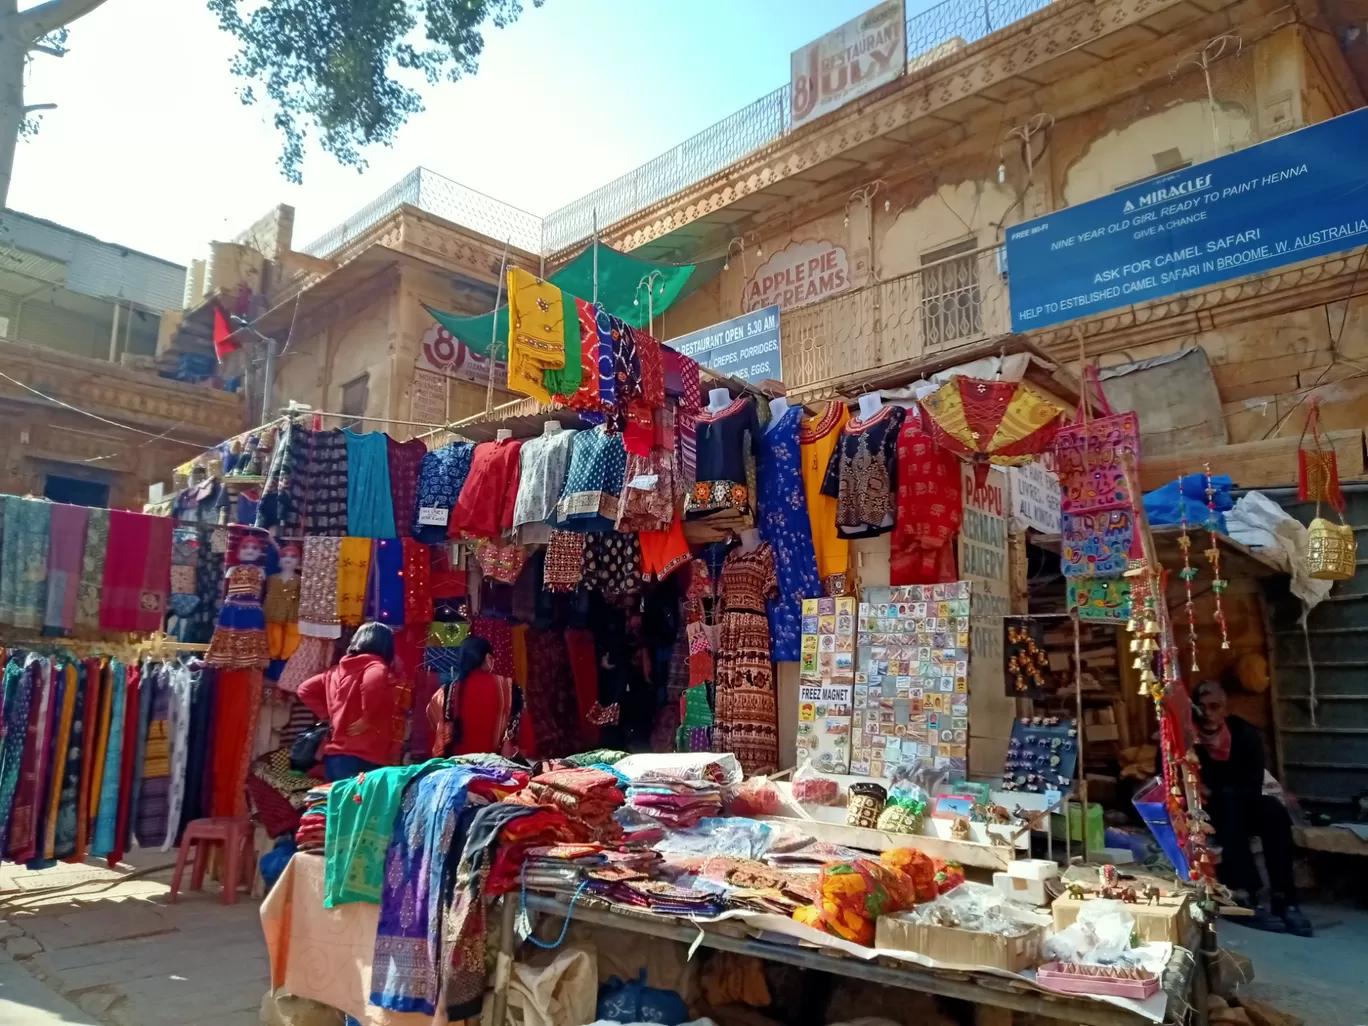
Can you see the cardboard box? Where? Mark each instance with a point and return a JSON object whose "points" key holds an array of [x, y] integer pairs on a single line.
{"points": [[1021, 889], [953, 946], [1169, 921], [1034, 869]]}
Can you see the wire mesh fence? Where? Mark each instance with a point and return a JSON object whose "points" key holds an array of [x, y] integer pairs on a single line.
{"points": [[933, 35]]}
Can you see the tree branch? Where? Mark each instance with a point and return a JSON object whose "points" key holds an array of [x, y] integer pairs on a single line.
{"points": [[47, 17], [51, 51]]}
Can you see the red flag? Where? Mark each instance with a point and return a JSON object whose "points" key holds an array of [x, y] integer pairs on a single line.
{"points": [[223, 335]]}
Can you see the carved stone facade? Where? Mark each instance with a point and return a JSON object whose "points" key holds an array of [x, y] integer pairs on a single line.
{"points": [[149, 425]]}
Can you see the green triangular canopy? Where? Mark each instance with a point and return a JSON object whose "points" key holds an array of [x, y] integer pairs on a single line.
{"points": [[620, 283]]}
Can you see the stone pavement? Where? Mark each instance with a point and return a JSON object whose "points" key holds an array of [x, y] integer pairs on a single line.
{"points": [[125, 956]]}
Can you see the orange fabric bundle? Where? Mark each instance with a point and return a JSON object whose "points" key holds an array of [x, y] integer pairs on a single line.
{"points": [[852, 895]]}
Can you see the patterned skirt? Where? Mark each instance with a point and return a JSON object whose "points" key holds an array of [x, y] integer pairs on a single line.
{"points": [[746, 707]]}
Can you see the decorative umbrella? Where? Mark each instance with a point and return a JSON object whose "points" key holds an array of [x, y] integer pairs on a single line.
{"points": [[1006, 423]]}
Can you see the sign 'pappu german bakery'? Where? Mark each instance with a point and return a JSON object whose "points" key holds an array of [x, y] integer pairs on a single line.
{"points": [[803, 272]]}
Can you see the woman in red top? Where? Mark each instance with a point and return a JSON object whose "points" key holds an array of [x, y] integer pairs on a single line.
{"points": [[356, 698], [473, 713]]}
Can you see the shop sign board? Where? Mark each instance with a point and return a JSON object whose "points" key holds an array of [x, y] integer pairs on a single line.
{"points": [[745, 347], [800, 273], [1289, 199], [1035, 497], [849, 61], [427, 398], [442, 353]]}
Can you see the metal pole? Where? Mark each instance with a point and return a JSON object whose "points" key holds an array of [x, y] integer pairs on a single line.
{"points": [[595, 300], [1080, 776], [268, 378], [494, 328], [503, 963], [113, 334]]}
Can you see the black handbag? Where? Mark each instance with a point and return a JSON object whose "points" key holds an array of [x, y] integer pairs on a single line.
{"points": [[304, 751]]}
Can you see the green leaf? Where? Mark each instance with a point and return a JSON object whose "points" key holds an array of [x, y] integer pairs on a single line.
{"points": [[346, 71]]}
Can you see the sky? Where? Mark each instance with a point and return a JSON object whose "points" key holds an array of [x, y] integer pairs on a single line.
{"points": [[150, 147]]}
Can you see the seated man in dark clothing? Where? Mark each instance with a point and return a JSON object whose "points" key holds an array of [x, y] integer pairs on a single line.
{"points": [[1232, 757]]}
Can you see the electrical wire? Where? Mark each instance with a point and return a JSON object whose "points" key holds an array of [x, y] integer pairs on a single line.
{"points": [[96, 416]]}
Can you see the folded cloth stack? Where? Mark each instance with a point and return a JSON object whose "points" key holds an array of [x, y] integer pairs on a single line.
{"points": [[675, 803], [546, 826], [313, 822], [658, 896], [587, 797], [560, 867]]}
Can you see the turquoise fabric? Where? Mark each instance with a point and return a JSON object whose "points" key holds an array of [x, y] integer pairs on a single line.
{"points": [[370, 508]]}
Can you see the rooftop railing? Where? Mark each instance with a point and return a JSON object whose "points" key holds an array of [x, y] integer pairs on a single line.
{"points": [[932, 35]]}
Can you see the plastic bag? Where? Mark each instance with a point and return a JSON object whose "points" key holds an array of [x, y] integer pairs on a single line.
{"points": [[811, 788], [633, 1002], [1101, 935], [755, 796]]}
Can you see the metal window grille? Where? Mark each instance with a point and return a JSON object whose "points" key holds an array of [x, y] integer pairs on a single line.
{"points": [[951, 306], [355, 395]]}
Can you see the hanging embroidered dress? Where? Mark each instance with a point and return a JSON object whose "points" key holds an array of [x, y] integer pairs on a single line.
{"points": [[725, 440], [240, 639], [930, 507], [785, 526], [538, 358], [542, 465], [862, 475], [590, 498], [819, 438], [747, 719]]}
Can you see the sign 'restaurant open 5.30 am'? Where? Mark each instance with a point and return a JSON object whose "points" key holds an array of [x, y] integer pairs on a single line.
{"points": [[1299, 196]]}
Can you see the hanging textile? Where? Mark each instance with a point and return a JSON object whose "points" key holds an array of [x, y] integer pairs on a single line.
{"points": [[417, 583], [17, 694], [405, 460], [24, 562], [184, 599], [590, 497], [725, 439], [542, 465], [92, 570], [20, 841], [237, 702], [324, 489], [538, 332], [818, 439], [387, 583], [747, 711], [65, 683], [282, 493], [485, 507], [586, 397], [150, 827], [353, 575], [108, 808], [929, 507], [370, 508], [129, 748], [318, 588], [94, 696], [993, 422], [178, 736], [66, 549], [441, 476], [785, 526], [361, 815], [406, 973], [137, 573], [863, 474]]}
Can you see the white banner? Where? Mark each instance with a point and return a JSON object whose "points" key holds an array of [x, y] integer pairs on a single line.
{"points": [[863, 54], [1035, 498]]}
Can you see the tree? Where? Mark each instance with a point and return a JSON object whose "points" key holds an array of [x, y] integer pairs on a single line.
{"points": [[343, 68]]}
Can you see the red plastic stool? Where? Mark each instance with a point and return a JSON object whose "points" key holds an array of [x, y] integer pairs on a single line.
{"points": [[235, 834]]}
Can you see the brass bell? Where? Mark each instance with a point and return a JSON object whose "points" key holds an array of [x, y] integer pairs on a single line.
{"points": [[1135, 644], [1149, 645], [1151, 627], [1225, 643]]}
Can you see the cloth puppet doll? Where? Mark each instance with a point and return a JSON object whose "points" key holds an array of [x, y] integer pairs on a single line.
{"points": [[240, 637]]}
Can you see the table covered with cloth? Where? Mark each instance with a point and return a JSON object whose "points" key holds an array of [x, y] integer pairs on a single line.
{"points": [[325, 954]]}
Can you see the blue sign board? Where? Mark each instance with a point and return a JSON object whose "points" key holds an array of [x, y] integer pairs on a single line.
{"points": [[745, 347], [1301, 195]]}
